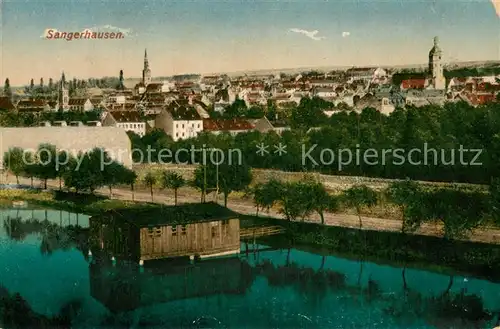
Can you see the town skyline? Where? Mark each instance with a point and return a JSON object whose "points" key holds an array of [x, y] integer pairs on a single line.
{"points": [[257, 40]]}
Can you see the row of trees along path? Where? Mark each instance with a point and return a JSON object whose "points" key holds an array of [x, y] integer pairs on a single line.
{"points": [[447, 212]]}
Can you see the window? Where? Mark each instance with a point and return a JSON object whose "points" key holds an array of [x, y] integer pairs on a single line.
{"points": [[174, 230], [176, 125], [150, 232], [157, 232], [176, 134], [182, 126], [198, 125], [214, 231], [183, 229]]}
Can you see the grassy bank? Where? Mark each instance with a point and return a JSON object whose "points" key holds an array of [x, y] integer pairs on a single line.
{"points": [[77, 203], [417, 251]]}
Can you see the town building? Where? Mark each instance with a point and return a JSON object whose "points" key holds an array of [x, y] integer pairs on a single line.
{"points": [[231, 126], [126, 120], [180, 121]]}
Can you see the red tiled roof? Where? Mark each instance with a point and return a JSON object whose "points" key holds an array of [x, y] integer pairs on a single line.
{"points": [[413, 83], [226, 124]]}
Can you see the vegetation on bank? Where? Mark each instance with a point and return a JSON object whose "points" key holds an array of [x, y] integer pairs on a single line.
{"points": [[453, 143], [470, 258]]}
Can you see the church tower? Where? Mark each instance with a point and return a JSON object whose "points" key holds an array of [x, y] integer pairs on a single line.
{"points": [[63, 95], [436, 67], [146, 72]]}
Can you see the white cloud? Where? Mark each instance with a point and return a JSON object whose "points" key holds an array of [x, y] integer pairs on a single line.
{"points": [[126, 32], [309, 34], [345, 34]]}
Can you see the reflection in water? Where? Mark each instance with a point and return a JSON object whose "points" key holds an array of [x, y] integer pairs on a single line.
{"points": [[272, 287]]}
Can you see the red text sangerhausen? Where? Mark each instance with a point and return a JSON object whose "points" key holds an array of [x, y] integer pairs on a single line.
{"points": [[52, 34]]}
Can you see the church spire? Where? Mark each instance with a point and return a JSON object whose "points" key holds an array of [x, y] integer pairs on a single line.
{"points": [[146, 62], [146, 72]]}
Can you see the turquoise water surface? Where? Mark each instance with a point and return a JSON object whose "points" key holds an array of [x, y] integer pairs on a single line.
{"points": [[274, 288]]}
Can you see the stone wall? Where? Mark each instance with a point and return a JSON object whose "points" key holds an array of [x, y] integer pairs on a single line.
{"points": [[72, 139], [332, 182]]}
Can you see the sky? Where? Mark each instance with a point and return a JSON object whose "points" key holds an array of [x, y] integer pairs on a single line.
{"points": [[208, 36]]}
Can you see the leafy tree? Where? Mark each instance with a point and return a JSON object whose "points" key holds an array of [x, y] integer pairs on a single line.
{"points": [[236, 110], [255, 112], [494, 190], [14, 160], [294, 200], [46, 163], [85, 172], [459, 211], [407, 195], [130, 178], [116, 173], [64, 159], [266, 195], [234, 178], [172, 180], [360, 196], [320, 200], [32, 84], [150, 180], [230, 178]]}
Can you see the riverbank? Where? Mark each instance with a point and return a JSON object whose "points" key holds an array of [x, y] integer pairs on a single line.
{"points": [[383, 247], [383, 217], [391, 248]]}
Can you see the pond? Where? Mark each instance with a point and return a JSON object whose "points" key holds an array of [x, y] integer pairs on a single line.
{"points": [[46, 260]]}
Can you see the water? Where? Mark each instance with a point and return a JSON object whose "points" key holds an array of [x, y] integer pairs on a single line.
{"points": [[47, 263]]}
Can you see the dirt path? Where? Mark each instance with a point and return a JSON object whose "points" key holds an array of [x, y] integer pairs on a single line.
{"points": [[244, 206]]}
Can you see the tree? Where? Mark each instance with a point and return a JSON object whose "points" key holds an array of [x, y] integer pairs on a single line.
{"points": [[459, 211], [32, 85], [14, 160], [406, 194], [320, 199], [41, 82], [266, 195], [64, 159], [46, 163], [360, 196], [494, 203], [294, 201], [172, 180], [150, 180], [85, 171], [51, 84], [129, 178], [234, 178], [6, 88], [116, 173], [229, 177]]}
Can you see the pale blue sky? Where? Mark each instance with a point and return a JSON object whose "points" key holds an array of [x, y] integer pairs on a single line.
{"points": [[213, 36]]}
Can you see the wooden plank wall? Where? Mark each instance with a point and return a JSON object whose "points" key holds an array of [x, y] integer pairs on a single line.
{"points": [[191, 239]]}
